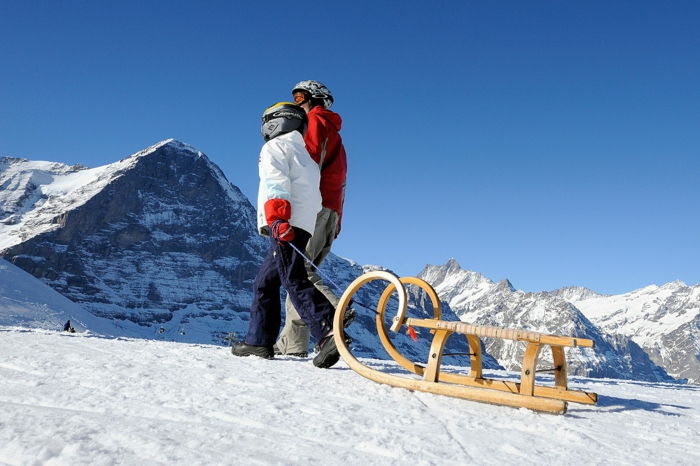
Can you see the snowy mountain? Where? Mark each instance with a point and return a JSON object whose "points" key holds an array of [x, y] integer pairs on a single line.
{"points": [[157, 239], [160, 244], [138, 401], [477, 299], [663, 320]]}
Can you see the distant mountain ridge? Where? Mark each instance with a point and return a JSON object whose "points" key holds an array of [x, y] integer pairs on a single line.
{"points": [[663, 320], [648, 329], [160, 244]]}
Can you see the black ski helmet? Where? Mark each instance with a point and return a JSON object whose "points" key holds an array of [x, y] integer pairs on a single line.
{"points": [[281, 118]]}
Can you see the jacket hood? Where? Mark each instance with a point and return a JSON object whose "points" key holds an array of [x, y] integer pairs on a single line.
{"points": [[328, 115]]}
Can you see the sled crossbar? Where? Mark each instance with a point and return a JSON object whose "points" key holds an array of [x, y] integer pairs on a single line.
{"points": [[472, 385]]}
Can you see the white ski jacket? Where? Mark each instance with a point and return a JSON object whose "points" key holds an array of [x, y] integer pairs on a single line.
{"points": [[287, 171]]}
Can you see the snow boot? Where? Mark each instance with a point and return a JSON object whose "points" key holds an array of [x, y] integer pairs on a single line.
{"points": [[347, 320], [244, 349], [327, 353]]}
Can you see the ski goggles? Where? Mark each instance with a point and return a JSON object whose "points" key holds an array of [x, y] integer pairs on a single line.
{"points": [[300, 97]]}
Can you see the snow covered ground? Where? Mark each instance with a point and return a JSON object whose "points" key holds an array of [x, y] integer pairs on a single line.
{"points": [[82, 399]]}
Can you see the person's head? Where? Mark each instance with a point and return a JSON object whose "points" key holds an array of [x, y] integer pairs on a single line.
{"points": [[308, 94], [281, 118]]}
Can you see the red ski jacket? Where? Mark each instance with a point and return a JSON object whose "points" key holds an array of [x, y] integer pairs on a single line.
{"points": [[325, 146]]}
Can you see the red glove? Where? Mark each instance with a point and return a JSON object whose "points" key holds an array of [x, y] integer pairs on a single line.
{"points": [[277, 214], [282, 230]]}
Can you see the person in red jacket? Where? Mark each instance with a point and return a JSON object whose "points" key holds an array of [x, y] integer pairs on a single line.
{"points": [[324, 144]]}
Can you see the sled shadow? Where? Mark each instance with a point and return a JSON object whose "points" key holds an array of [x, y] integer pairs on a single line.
{"points": [[681, 384], [613, 404]]}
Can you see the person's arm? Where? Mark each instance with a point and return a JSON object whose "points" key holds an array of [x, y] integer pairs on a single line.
{"points": [[274, 174]]}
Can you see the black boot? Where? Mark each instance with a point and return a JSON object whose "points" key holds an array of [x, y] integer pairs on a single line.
{"points": [[244, 349], [347, 320], [327, 353]]}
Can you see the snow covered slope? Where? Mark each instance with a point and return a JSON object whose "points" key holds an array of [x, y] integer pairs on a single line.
{"points": [[93, 401], [26, 301]]}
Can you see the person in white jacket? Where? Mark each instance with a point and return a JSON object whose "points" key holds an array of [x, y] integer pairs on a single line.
{"points": [[289, 198]]}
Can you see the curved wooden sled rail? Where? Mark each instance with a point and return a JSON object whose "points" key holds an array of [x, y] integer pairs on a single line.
{"points": [[473, 386]]}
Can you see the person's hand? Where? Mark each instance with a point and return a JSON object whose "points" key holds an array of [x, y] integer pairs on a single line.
{"points": [[282, 230], [277, 214]]}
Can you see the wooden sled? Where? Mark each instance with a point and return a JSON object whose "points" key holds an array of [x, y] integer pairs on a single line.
{"points": [[472, 386]]}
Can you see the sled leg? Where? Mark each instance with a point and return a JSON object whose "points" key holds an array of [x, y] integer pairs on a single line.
{"points": [[432, 372], [559, 367], [475, 367], [527, 378]]}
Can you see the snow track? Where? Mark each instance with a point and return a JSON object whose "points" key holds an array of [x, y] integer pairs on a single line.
{"points": [[82, 399]]}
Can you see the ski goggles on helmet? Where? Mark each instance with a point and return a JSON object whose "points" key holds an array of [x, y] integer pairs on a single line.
{"points": [[300, 97]]}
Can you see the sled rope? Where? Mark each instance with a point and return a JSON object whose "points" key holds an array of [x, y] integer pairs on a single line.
{"points": [[323, 275], [329, 279]]}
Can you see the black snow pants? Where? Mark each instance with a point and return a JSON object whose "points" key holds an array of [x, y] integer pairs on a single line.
{"points": [[283, 266]]}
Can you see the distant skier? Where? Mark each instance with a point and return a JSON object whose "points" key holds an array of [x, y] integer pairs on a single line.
{"points": [[289, 200], [68, 327], [324, 144]]}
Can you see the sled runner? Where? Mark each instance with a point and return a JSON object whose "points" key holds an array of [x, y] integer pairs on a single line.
{"points": [[473, 385]]}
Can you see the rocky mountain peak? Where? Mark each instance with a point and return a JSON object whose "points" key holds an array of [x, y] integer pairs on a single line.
{"points": [[575, 293], [452, 272], [452, 265], [674, 285], [504, 286], [138, 239], [176, 148]]}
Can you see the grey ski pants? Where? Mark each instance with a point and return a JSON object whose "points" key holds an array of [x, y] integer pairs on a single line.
{"points": [[295, 335]]}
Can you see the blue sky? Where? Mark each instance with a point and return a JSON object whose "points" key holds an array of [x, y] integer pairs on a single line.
{"points": [[552, 143]]}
